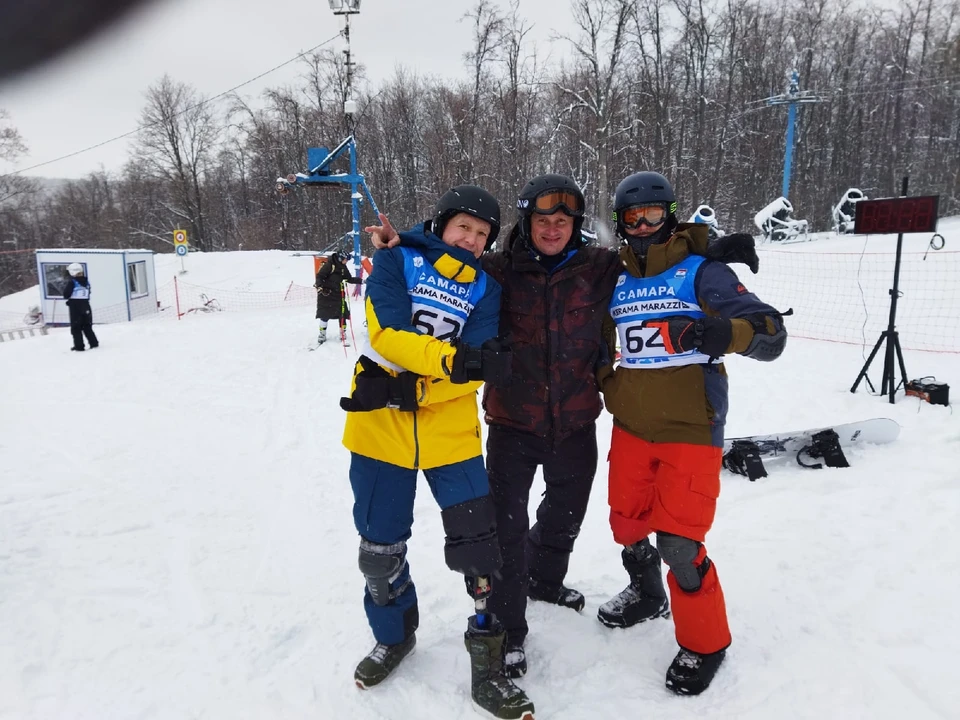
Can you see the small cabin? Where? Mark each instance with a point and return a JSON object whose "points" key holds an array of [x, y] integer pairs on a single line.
{"points": [[123, 284]]}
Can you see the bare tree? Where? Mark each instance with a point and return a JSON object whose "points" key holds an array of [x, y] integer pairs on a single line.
{"points": [[176, 142], [17, 198], [487, 27], [599, 48], [12, 184]]}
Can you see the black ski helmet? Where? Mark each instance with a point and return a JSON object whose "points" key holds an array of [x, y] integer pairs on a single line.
{"points": [[471, 200], [543, 185], [644, 188]]}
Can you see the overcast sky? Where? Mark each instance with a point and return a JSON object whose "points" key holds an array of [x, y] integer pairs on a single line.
{"points": [[96, 92]]}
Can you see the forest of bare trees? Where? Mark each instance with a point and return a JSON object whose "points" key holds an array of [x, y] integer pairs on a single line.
{"points": [[676, 86]]}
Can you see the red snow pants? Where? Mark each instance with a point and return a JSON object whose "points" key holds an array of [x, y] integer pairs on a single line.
{"points": [[672, 488]]}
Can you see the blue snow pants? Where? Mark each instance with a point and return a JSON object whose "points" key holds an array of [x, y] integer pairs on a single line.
{"points": [[383, 497]]}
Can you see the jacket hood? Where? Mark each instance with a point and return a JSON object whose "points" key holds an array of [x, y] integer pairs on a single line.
{"points": [[451, 262]]}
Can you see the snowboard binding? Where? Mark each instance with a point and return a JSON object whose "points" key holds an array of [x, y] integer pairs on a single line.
{"points": [[744, 459], [825, 445]]}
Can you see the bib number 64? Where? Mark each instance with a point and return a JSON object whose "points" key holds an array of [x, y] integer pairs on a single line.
{"points": [[639, 337]]}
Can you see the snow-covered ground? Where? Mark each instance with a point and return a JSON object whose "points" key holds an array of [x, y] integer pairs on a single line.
{"points": [[176, 542]]}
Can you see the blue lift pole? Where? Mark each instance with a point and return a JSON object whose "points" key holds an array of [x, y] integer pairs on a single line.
{"points": [[788, 155], [319, 161], [355, 198], [791, 99]]}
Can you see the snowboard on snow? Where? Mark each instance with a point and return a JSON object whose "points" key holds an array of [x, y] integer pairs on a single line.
{"points": [[811, 448]]}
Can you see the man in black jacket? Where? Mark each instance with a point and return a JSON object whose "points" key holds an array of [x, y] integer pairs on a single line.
{"points": [[76, 291], [555, 295]]}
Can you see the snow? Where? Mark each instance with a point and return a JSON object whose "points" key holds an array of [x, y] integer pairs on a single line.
{"points": [[176, 541]]}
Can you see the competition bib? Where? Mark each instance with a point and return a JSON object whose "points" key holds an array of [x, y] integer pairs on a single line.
{"points": [[79, 292], [440, 306], [636, 300]]}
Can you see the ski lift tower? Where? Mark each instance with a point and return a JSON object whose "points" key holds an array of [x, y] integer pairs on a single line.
{"points": [[346, 8], [320, 159], [793, 97], [319, 173]]}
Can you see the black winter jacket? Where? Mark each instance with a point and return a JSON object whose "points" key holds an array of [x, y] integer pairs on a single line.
{"points": [[554, 320]]}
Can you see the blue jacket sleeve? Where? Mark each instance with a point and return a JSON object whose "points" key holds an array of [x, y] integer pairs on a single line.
{"points": [[387, 291], [484, 322]]}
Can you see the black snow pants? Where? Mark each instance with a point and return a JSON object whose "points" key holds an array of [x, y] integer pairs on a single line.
{"points": [[81, 324], [543, 551]]}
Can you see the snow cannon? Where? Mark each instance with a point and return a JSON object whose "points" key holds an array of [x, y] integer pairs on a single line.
{"points": [[777, 224], [705, 215], [845, 211]]}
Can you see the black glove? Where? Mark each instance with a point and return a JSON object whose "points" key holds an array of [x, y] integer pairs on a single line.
{"points": [[735, 248], [376, 389], [492, 363], [682, 333]]}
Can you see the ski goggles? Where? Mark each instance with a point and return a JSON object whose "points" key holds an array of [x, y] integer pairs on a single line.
{"points": [[549, 202], [651, 215]]}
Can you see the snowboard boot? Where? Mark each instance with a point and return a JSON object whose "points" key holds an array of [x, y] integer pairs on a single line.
{"points": [[690, 673], [381, 661], [645, 597], [556, 594], [514, 660], [492, 692]]}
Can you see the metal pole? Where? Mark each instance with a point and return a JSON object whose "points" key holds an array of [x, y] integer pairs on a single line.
{"points": [[346, 35], [788, 153], [888, 371], [355, 197]]}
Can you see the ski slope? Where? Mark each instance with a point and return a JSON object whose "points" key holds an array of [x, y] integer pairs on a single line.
{"points": [[176, 542]]}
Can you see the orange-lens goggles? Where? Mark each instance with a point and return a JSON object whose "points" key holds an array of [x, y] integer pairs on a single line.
{"points": [[550, 202], [651, 215]]}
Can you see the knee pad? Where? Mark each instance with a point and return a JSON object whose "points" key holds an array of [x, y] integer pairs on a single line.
{"points": [[381, 565], [471, 544], [681, 554]]}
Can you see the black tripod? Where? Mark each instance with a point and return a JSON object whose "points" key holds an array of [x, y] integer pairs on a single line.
{"points": [[890, 335]]}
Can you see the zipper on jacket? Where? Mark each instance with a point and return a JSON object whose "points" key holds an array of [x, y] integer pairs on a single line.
{"points": [[547, 342], [416, 444]]}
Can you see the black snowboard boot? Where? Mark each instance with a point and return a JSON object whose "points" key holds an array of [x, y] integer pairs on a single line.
{"points": [[690, 673], [492, 692], [381, 661], [644, 598], [514, 660], [556, 594]]}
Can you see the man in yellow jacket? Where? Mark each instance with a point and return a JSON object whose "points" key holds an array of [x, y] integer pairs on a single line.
{"points": [[432, 316]]}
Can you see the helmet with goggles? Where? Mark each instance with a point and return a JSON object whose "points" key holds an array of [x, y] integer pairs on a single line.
{"points": [[549, 194], [644, 198]]}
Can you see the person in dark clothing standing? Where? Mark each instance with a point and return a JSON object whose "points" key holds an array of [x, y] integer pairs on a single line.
{"points": [[76, 291], [331, 302], [555, 295]]}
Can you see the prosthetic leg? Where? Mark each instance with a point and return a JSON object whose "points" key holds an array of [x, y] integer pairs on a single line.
{"points": [[492, 692]]}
